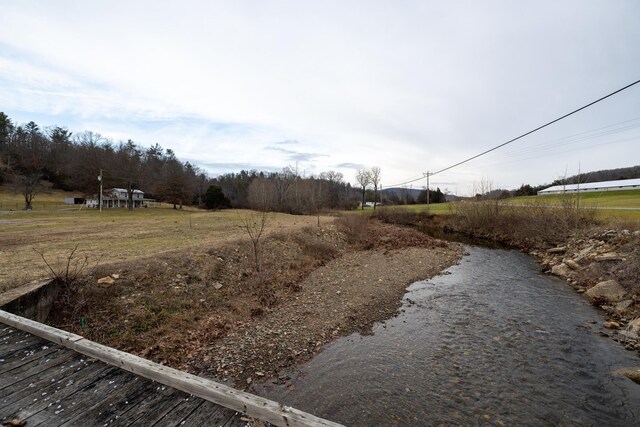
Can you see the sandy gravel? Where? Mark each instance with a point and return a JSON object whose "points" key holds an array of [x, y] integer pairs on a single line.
{"points": [[348, 294]]}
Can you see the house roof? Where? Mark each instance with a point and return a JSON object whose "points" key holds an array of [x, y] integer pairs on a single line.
{"points": [[124, 190]]}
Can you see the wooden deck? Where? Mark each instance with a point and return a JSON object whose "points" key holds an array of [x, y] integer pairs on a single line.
{"points": [[50, 385], [50, 377]]}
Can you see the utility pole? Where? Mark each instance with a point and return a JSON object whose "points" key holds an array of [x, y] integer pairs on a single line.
{"points": [[100, 195], [427, 175]]}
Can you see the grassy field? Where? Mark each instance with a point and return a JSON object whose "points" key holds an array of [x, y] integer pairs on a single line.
{"points": [[45, 199], [438, 208], [604, 199], [115, 235], [610, 204]]}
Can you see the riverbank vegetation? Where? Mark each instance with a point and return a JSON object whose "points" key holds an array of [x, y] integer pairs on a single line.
{"points": [[208, 309], [596, 253]]}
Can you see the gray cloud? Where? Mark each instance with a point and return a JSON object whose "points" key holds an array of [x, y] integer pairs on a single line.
{"points": [[350, 166], [389, 86], [296, 156], [224, 167]]}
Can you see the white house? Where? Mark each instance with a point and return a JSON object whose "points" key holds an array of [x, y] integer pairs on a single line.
{"points": [[623, 184], [118, 198]]}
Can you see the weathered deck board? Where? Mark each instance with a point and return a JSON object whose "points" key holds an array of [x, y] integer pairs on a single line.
{"points": [[14, 343], [48, 385], [155, 406], [210, 414], [31, 384], [55, 386], [33, 411], [63, 379], [31, 365]]}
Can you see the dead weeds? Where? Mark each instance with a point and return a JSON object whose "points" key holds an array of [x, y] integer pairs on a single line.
{"points": [[175, 306]]}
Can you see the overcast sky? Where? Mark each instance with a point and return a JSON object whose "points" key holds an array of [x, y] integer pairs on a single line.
{"points": [[410, 86]]}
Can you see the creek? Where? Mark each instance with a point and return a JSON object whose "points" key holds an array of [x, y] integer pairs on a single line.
{"points": [[493, 341]]}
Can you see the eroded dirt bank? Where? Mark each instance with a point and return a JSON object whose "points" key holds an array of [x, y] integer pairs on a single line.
{"points": [[208, 311]]}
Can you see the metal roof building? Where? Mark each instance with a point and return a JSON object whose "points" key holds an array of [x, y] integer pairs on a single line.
{"points": [[623, 184]]}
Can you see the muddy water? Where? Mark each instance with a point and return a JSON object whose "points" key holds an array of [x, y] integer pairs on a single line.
{"points": [[494, 342]]}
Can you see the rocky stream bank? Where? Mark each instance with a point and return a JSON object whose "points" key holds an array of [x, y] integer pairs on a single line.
{"points": [[602, 264], [604, 267]]}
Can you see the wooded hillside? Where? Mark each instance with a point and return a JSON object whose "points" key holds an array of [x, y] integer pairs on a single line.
{"points": [[72, 162]]}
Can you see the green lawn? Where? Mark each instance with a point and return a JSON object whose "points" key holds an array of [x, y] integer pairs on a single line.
{"points": [[604, 199]]}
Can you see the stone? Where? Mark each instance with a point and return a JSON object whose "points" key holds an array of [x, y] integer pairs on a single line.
{"points": [[115, 276], [622, 306], [561, 270], [632, 373], [572, 264], [217, 286], [108, 280], [634, 326], [611, 325], [558, 250], [609, 290], [608, 256], [586, 251]]}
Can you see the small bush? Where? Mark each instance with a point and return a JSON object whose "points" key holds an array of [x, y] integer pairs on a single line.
{"points": [[357, 229], [315, 248], [534, 222], [400, 216]]}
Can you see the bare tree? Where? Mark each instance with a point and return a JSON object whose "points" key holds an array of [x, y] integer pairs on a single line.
{"points": [[28, 186], [363, 176], [261, 198], [375, 177], [255, 223]]}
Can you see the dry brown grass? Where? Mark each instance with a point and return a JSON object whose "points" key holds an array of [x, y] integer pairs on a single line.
{"points": [[535, 223], [115, 236], [164, 305]]}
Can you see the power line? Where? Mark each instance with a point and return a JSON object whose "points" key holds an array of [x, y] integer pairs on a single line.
{"points": [[538, 128], [525, 134]]}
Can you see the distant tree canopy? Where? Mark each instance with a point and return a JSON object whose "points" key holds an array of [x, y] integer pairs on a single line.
{"points": [[436, 196], [632, 172], [73, 162], [214, 198]]}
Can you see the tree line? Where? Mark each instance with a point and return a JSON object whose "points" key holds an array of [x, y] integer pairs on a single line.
{"points": [[72, 162]]}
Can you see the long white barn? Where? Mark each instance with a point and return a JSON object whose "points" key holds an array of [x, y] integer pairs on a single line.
{"points": [[623, 184]]}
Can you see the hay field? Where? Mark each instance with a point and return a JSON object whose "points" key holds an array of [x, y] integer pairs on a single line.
{"points": [[115, 235]]}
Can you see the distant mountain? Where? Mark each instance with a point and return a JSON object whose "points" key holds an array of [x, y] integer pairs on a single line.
{"points": [[602, 175]]}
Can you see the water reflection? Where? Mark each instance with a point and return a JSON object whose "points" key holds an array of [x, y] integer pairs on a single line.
{"points": [[495, 342]]}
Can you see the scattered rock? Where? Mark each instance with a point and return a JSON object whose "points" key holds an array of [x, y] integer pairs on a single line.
{"points": [[632, 373], [558, 250], [217, 286], [634, 326], [611, 325], [561, 270], [609, 290], [572, 264], [115, 276], [107, 280], [608, 256], [622, 306]]}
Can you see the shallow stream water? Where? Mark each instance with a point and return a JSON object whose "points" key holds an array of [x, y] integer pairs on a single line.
{"points": [[493, 342]]}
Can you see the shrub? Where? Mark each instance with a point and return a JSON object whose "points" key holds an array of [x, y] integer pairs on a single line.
{"points": [[357, 229]]}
